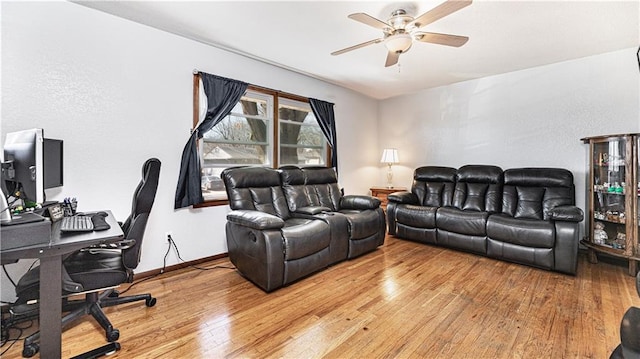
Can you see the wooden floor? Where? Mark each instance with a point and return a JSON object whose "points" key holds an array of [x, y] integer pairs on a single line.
{"points": [[403, 300]]}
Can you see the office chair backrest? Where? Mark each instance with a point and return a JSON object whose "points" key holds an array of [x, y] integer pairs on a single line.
{"points": [[136, 223]]}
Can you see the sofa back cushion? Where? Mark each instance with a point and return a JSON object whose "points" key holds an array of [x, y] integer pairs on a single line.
{"points": [[255, 188], [531, 192], [310, 187], [478, 188], [434, 185]]}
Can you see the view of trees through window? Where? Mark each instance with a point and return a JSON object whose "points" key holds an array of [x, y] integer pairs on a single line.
{"points": [[251, 136], [300, 137]]}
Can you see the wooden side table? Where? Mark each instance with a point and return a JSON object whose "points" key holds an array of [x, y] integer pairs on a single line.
{"points": [[382, 192]]}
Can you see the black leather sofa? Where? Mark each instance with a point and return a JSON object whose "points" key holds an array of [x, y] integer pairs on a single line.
{"points": [[522, 215], [289, 223]]}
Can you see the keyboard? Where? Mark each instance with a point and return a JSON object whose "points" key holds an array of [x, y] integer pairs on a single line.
{"points": [[76, 224]]}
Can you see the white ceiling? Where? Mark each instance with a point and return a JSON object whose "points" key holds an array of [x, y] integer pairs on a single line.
{"points": [[504, 36]]}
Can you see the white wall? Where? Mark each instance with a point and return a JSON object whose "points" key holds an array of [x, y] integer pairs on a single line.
{"points": [[529, 118], [118, 93]]}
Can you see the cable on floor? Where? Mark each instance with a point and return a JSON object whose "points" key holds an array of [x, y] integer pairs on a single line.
{"points": [[173, 243]]}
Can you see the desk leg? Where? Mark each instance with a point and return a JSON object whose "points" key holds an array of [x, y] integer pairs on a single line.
{"points": [[50, 307]]}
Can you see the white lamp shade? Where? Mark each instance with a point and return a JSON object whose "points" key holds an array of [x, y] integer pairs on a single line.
{"points": [[398, 43], [389, 155]]}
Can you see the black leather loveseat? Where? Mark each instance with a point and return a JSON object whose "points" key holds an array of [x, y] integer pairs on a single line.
{"points": [[523, 215], [286, 224]]}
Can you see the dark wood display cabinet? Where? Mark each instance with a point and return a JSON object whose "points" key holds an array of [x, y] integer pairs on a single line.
{"points": [[613, 191]]}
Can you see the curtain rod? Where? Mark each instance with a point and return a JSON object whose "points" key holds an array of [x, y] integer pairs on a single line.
{"points": [[266, 89]]}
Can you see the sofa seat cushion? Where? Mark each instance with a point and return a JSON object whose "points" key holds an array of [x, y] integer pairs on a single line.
{"points": [[304, 237], [523, 232], [362, 224], [454, 220], [416, 216]]}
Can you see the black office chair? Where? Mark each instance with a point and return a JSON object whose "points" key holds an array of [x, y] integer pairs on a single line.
{"points": [[97, 271], [629, 347]]}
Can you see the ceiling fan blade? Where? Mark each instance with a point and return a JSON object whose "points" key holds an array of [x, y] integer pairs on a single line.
{"points": [[369, 20], [439, 12], [392, 58], [441, 39], [375, 41]]}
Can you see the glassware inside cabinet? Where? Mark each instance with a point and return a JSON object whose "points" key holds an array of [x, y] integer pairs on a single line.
{"points": [[609, 194]]}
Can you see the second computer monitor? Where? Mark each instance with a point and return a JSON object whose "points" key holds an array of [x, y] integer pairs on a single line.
{"points": [[31, 164]]}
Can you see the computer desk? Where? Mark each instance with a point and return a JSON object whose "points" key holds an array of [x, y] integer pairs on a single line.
{"points": [[51, 255]]}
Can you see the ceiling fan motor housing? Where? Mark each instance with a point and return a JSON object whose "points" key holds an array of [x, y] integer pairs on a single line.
{"points": [[398, 21]]}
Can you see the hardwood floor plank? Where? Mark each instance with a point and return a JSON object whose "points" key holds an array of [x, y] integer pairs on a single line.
{"points": [[404, 300]]}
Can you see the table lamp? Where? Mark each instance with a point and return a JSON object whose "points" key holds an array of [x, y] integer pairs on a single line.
{"points": [[389, 156]]}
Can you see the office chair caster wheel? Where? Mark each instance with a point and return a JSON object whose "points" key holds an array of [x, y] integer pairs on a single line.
{"points": [[30, 350], [114, 294], [150, 302], [113, 335]]}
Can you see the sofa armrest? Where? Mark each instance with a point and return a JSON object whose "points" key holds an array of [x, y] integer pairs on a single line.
{"points": [[566, 213], [312, 210], [255, 219], [403, 197], [359, 202]]}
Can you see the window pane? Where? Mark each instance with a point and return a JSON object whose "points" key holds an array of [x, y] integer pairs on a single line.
{"points": [[242, 138], [301, 141]]}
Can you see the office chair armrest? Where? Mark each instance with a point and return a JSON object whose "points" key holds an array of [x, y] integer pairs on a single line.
{"points": [[120, 245], [123, 244], [68, 285]]}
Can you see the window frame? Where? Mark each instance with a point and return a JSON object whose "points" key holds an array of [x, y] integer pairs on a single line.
{"points": [[275, 150]]}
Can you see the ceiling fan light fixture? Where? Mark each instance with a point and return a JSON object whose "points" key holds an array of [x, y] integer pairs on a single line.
{"points": [[398, 43]]}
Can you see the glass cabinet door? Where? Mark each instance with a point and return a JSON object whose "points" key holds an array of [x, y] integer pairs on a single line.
{"points": [[609, 191], [634, 191]]}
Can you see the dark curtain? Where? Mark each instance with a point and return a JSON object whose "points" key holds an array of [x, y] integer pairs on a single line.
{"points": [[324, 114], [222, 95]]}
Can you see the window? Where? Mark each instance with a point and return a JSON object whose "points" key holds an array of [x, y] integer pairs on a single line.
{"points": [[265, 128]]}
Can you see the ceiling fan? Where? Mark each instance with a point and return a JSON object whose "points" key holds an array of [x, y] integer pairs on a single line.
{"points": [[401, 30]]}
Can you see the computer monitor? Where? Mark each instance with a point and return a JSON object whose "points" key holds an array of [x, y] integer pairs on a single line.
{"points": [[31, 164], [5, 211], [53, 163]]}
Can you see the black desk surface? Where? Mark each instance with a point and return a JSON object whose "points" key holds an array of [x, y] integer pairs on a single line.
{"points": [[61, 243]]}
